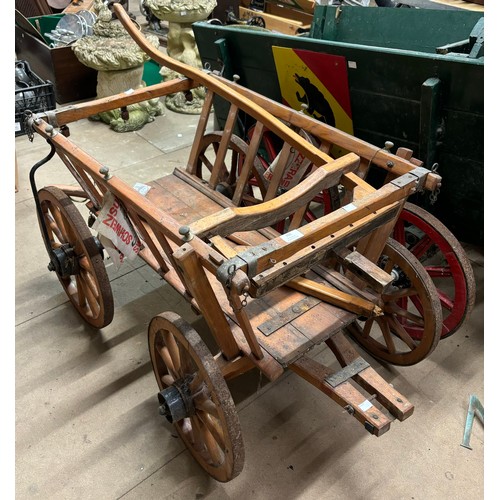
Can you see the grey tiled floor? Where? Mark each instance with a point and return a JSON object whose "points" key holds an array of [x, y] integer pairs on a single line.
{"points": [[86, 419]]}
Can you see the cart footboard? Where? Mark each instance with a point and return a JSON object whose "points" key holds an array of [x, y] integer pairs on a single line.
{"points": [[357, 387]]}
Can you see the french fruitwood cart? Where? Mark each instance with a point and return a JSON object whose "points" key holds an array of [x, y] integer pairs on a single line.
{"points": [[268, 298]]}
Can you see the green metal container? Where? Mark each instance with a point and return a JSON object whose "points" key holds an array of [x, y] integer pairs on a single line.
{"points": [[415, 78]]}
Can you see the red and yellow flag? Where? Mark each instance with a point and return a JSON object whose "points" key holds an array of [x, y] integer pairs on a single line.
{"points": [[317, 83]]}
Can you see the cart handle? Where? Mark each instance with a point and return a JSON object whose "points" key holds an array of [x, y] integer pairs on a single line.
{"points": [[265, 214], [222, 90]]}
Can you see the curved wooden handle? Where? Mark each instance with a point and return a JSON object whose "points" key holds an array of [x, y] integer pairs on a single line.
{"points": [[223, 90]]}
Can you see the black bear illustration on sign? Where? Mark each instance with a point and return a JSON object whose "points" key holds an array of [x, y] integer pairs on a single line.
{"points": [[317, 106]]}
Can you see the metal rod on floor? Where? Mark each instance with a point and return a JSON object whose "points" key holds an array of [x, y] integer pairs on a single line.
{"points": [[475, 408]]}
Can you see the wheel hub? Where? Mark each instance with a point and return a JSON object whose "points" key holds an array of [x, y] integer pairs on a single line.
{"points": [[176, 401], [64, 261], [400, 278]]}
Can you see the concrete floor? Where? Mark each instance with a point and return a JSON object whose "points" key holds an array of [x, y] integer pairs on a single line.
{"points": [[86, 417]]}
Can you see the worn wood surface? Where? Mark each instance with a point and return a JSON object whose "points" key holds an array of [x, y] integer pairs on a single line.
{"points": [[185, 202]]}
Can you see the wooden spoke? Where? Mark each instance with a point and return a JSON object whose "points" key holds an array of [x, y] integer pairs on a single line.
{"points": [[90, 284], [420, 248], [186, 430], [59, 223], [404, 313], [55, 232], [386, 332], [82, 300], [446, 300], [167, 359], [91, 294], [88, 288], [397, 328], [213, 427], [195, 383], [367, 327], [205, 161], [208, 406], [208, 440], [212, 434], [398, 294], [167, 379], [439, 271], [175, 355], [417, 288]]}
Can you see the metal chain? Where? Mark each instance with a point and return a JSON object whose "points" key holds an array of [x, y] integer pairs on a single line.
{"points": [[244, 303], [434, 194], [230, 275], [30, 132]]}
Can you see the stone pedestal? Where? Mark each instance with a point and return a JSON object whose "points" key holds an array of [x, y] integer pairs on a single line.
{"points": [[181, 45], [120, 65]]}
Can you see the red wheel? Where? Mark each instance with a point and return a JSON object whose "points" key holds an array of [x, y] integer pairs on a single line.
{"points": [[445, 261]]}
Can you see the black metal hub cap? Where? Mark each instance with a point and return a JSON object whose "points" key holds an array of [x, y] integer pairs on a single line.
{"points": [[64, 261], [176, 401]]}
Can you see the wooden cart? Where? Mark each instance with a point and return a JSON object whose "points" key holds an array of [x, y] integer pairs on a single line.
{"points": [[268, 298]]}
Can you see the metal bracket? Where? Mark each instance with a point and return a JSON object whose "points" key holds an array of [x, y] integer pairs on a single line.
{"points": [[418, 173], [288, 315], [249, 258], [358, 365]]}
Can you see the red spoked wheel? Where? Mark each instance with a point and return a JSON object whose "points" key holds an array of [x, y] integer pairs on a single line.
{"points": [[445, 261]]}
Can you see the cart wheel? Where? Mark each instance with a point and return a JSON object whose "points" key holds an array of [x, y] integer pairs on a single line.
{"points": [[237, 151], [194, 396], [446, 262], [412, 302], [76, 258]]}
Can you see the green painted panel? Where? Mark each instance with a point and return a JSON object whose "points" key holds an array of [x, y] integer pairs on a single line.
{"points": [[420, 30]]}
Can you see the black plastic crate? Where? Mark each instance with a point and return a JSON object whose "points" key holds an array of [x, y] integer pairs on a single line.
{"points": [[32, 93]]}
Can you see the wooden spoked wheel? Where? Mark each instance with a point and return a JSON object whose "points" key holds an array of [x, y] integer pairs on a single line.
{"points": [[76, 258], [445, 261], [233, 162], [194, 396], [412, 302]]}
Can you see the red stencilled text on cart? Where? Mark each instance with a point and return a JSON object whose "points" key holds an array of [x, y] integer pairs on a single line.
{"points": [[121, 232]]}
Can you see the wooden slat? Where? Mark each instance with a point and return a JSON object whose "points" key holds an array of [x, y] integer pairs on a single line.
{"points": [[162, 264], [200, 132], [220, 158], [73, 113], [335, 297], [365, 269], [278, 169], [246, 169]]}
